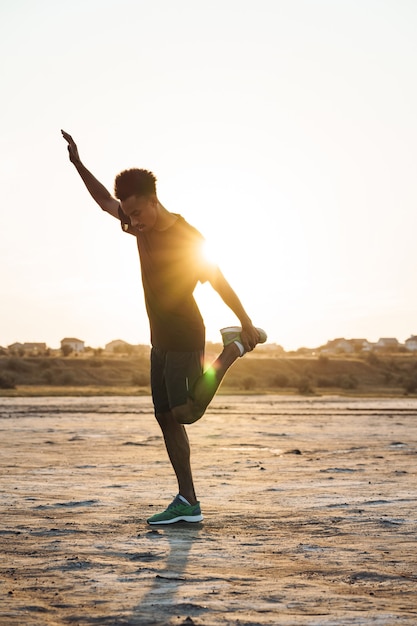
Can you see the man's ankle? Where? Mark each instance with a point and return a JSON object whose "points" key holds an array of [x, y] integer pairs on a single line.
{"points": [[191, 500]]}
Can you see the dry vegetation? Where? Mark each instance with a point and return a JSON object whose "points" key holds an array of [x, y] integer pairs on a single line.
{"points": [[394, 374]]}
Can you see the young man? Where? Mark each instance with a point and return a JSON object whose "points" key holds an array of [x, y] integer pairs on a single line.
{"points": [[172, 263]]}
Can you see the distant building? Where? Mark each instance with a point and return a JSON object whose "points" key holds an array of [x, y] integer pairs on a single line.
{"points": [[34, 348], [361, 345], [15, 348], [411, 343], [28, 348], [270, 347], [387, 343], [76, 344], [335, 346], [346, 346], [118, 345]]}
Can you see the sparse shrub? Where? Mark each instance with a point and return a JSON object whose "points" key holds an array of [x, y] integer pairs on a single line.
{"points": [[304, 385], [373, 359], [7, 381], [141, 380], [323, 381], [280, 380], [410, 385], [124, 349], [249, 383], [354, 382], [95, 363], [66, 378], [388, 377], [44, 364], [48, 377], [17, 365], [348, 381]]}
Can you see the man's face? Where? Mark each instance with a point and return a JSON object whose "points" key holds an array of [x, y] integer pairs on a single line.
{"points": [[142, 211]]}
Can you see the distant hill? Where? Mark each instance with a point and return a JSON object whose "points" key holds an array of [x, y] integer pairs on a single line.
{"points": [[371, 374]]}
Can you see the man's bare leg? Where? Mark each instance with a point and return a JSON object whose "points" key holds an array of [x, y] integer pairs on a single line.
{"points": [[178, 448], [206, 386]]}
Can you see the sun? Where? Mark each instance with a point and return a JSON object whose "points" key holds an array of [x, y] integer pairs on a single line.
{"points": [[211, 252]]}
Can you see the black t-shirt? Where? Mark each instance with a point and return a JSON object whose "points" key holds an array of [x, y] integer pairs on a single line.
{"points": [[172, 262]]}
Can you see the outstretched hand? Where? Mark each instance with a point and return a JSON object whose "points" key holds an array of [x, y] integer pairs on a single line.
{"points": [[250, 337], [74, 157]]}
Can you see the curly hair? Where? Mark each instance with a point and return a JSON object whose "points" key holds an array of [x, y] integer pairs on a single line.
{"points": [[134, 182]]}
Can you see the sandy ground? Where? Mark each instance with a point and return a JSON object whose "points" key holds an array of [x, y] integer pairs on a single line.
{"points": [[309, 504]]}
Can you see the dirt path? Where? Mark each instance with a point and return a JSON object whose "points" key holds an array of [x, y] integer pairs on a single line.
{"points": [[310, 514]]}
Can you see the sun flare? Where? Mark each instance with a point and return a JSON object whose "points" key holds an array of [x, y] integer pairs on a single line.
{"points": [[211, 252]]}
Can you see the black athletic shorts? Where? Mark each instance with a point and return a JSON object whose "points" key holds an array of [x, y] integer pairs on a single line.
{"points": [[173, 375]]}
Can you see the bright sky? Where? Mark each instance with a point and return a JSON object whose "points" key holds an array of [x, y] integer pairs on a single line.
{"points": [[285, 130]]}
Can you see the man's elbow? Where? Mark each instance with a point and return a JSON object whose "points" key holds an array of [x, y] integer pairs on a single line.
{"points": [[110, 205]]}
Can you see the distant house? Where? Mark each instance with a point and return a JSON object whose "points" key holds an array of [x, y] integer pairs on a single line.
{"points": [[117, 345], [34, 348], [76, 344], [15, 348], [28, 348], [387, 343], [335, 346], [411, 343], [361, 345], [346, 346], [271, 347]]}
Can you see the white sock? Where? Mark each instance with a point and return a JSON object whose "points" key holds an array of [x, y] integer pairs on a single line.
{"points": [[183, 499], [241, 348]]}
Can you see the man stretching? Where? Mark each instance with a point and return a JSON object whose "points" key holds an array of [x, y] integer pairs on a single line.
{"points": [[172, 262]]}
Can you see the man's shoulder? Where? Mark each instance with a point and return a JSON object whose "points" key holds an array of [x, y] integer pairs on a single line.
{"points": [[184, 226]]}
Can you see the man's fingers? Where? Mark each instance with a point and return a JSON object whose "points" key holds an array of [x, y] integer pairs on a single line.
{"points": [[67, 137], [249, 341]]}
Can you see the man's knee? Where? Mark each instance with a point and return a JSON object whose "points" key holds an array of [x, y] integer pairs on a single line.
{"points": [[187, 413]]}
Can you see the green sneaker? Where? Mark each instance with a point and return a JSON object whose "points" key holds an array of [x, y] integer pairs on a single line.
{"points": [[178, 511], [231, 334]]}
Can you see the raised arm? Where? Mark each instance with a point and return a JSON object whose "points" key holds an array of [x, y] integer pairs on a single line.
{"points": [[100, 194]]}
